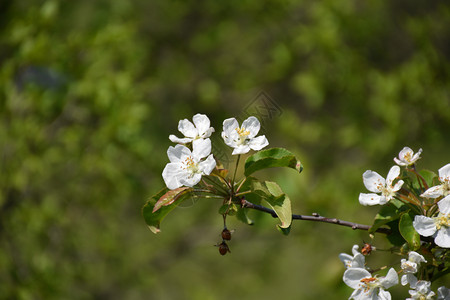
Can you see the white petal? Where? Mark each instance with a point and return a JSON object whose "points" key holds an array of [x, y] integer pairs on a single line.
{"points": [[373, 181], [434, 192], [171, 175], [398, 185], [201, 148], [394, 172], [346, 259], [391, 279], [202, 123], [358, 261], [404, 152], [352, 277], [371, 199], [409, 279], [178, 153], [251, 124], [191, 179], [416, 257], [444, 205], [178, 140], [355, 249], [207, 165], [400, 162], [230, 125], [425, 226], [443, 293], [417, 155], [241, 149], [187, 128], [442, 238], [444, 172], [258, 143], [384, 295]]}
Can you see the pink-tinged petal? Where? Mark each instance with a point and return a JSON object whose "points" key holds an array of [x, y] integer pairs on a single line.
{"points": [[207, 165], [201, 148], [172, 174], [444, 172], [251, 124], [178, 153], [444, 205], [373, 181], [175, 139], [434, 192], [425, 226], [258, 143], [400, 162], [241, 149], [390, 280], [203, 124], [371, 199], [442, 238], [187, 128], [394, 172]]}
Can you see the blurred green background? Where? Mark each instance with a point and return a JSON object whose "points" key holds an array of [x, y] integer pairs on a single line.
{"points": [[90, 91]]}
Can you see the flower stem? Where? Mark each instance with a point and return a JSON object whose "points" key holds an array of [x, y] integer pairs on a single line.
{"points": [[234, 175]]}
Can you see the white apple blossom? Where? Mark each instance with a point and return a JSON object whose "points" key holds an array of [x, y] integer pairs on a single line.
{"points": [[199, 130], [444, 188], [356, 261], [406, 157], [443, 293], [243, 138], [186, 168], [421, 291], [368, 287], [410, 267], [377, 184], [438, 227]]}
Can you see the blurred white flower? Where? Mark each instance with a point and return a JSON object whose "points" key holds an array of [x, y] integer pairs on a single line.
{"points": [[377, 184], [355, 261], [438, 227], [367, 287], [243, 138], [199, 130], [444, 188], [421, 291], [443, 293], [410, 267], [406, 157], [186, 168]]}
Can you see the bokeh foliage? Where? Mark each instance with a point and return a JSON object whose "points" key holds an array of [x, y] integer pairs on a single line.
{"points": [[90, 91]]}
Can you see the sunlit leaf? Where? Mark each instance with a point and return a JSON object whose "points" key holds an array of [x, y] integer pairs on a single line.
{"points": [[274, 157]]}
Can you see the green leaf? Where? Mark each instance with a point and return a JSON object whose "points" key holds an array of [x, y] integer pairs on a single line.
{"points": [[243, 217], [388, 213], [408, 232], [152, 216], [271, 193], [428, 176], [269, 158], [170, 197]]}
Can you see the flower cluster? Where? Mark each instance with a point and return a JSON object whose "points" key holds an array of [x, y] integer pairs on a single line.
{"points": [[424, 211], [191, 158]]}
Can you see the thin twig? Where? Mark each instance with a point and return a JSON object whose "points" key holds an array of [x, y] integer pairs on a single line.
{"points": [[315, 217]]}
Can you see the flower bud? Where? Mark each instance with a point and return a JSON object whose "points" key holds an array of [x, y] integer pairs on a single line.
{"points": [[226, 234], [223, 248]]}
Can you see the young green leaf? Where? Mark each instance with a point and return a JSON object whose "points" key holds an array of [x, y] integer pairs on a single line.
{"points": [[170, 197], [271, 193], [154, 217], [408, 232], [269, 158], [388, 213]]}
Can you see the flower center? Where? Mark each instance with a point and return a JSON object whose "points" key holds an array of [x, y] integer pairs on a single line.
{"points": [[190, 165], [369, 283], [242, 134], [408, 157], [442, 221]]}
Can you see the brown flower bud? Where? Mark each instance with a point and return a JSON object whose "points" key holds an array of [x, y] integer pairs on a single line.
{"points": [[223, 248], [226, 234]]}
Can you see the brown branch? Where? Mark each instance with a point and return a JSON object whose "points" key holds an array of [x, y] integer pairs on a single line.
{"points": [[315, 217]]}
